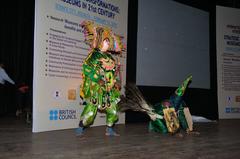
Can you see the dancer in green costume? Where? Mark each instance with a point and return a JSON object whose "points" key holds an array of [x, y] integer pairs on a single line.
{"points": [[100, 88]]}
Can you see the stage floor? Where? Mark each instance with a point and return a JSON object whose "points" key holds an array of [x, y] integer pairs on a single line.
{"points": [[217, 140]]}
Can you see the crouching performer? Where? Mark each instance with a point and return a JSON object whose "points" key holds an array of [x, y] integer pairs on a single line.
{"points": [[176, 114]]}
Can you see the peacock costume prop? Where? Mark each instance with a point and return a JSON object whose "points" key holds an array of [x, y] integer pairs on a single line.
{"points": [[175, 113], [168, 116]]}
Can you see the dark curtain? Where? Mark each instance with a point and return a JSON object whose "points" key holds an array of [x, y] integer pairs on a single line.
{"points": [[16, 51]]}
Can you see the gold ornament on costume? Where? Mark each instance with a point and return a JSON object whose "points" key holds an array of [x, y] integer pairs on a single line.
{"points": [[171, 119]]}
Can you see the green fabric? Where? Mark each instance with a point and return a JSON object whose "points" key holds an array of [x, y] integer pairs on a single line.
{"points": [[158, 108], [112, 116], [88, 115], [182, 119], [181, 89], [157, 126], [93, 73], [98, 88]]}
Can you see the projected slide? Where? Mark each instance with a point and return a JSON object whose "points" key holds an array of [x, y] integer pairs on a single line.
{"points": [[172, 43]]}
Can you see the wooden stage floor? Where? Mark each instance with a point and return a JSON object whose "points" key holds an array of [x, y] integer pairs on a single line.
{"points": [[218, 140]]}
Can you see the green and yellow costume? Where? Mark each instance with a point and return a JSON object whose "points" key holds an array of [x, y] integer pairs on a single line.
{"points": [[175, 113], [99, 88]]}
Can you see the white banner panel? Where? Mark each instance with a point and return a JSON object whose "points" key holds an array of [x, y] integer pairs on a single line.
{"points": [[228, 61], [59, 51]]}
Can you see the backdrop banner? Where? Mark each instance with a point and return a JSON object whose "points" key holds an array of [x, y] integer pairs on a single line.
{"points": [[59, 51], [228, 61]]}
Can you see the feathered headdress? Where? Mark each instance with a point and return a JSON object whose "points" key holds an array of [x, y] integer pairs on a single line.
{"points": [[95, 34]]}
